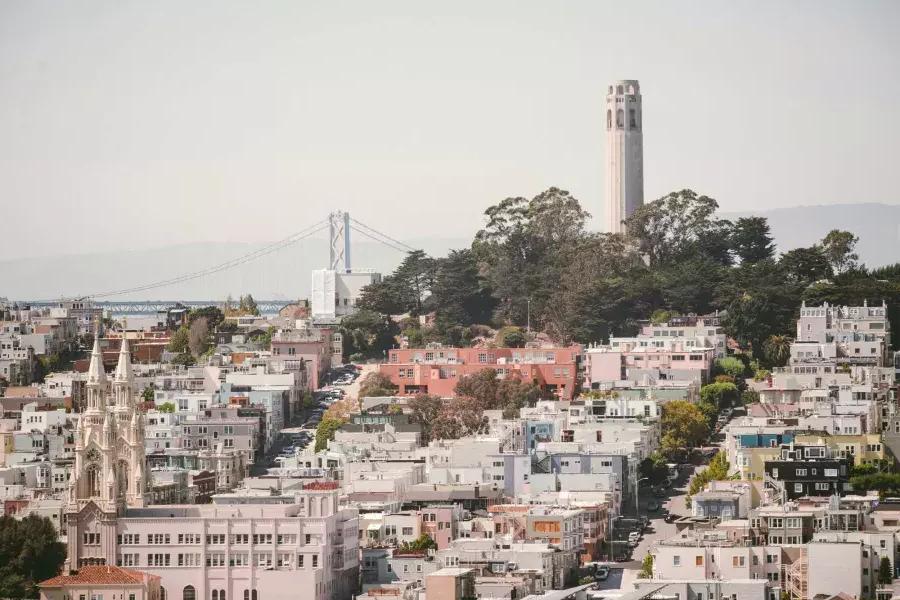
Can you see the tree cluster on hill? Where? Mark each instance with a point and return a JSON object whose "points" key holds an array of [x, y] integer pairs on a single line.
{"points": [[30, 552], [464, 415], [534, 260]]}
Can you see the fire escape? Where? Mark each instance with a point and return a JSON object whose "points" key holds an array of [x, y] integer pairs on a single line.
{"points": [[796, 577]]}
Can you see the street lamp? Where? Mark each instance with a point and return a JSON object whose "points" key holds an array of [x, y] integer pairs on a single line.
{"points": [[637, 487]]}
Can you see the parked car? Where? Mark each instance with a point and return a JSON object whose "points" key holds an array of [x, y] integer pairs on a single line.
{"points": [[602, 573]]}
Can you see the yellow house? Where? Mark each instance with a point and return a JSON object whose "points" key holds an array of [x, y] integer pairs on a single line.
{"points": [[863, 448], [751, 462]]}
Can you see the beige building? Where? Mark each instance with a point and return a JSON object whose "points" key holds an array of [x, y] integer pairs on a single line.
{"points": [[450, 583]]}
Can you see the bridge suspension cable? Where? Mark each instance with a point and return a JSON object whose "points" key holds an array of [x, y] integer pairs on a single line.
{"points": [[381, 237], [241, 260]]}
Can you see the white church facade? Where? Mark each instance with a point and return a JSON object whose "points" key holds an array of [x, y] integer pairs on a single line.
{"points": [[254, 547]]}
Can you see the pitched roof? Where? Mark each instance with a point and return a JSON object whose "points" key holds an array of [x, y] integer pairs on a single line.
{"points": [[98, 575]]}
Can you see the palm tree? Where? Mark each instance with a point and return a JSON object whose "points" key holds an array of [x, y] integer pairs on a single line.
{"points": [[777, 350]]}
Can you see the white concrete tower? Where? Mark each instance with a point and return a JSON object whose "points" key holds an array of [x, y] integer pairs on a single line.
{"points": [[624, 154]]}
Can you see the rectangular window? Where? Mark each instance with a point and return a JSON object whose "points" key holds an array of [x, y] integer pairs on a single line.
{"points": [[676, 561], [698, 561], [315, 560]]}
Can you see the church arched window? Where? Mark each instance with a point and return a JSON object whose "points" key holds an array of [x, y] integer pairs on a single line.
{"points": [[255, 597], [221, 594], [188, 593], [620, 119], [215, 595], [92, 474], [246, 594]]}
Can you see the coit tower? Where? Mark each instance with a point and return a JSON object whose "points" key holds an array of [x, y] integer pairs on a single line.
{"points": [[624, 154]]}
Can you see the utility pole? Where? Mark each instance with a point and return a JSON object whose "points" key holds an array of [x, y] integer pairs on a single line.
{"points": [[528, 313]]}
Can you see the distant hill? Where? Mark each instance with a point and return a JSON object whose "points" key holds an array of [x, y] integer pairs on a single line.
{"points": [[876, 225], [286, 274]]}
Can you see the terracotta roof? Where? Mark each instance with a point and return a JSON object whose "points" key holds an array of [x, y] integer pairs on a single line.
{"points": [[98, 575], [321, 485]]}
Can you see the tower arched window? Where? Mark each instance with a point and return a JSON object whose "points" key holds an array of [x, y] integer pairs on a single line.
{"points": [[188, 593], [221, 594], [215, 595], [609, 119], [246, 594], [162, 593], [632, 118], [620, 90], [620, 119], [92, 474], [255, 596]]}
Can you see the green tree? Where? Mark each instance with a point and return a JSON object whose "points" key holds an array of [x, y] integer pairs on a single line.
{"points": [[166, 407], [213, 315], [375, 384], [654, 468], [753, 318], [148, 394], [717, 470], [777, 350], [247, 306], [751, 240], [684, 427], [179, 341], [805, 265], [511, 337], [368, 334], [459, 294], [185, 359], [885, 571], [421, 543], [646, 571], [426, 411], [325, 431], [30, 552], [678, 225], [521, 247], [839, 247], [731, 366], [720, 395]]}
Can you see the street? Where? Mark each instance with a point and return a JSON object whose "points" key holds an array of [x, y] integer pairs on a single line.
{"points": [[623, 574]]}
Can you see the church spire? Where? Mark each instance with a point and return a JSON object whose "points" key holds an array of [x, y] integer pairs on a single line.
{"points": [[96, 374], [123, 369]]}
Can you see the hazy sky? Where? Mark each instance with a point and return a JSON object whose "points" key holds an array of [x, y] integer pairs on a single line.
{"points": [[137, 124]]}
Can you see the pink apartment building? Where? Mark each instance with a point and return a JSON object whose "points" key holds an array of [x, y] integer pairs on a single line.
{"points": [[441, 523], [437, 370], [314, 346], [639, 359]]}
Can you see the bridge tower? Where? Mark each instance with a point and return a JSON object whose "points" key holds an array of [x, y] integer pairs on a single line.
{"points": [[339, 240]]}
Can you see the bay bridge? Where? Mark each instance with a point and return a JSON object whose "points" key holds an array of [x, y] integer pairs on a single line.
{"points": [[338, 224]]}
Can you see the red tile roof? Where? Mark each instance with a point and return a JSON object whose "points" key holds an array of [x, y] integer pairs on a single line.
{"points": [[98, 575], [321, 485]]}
